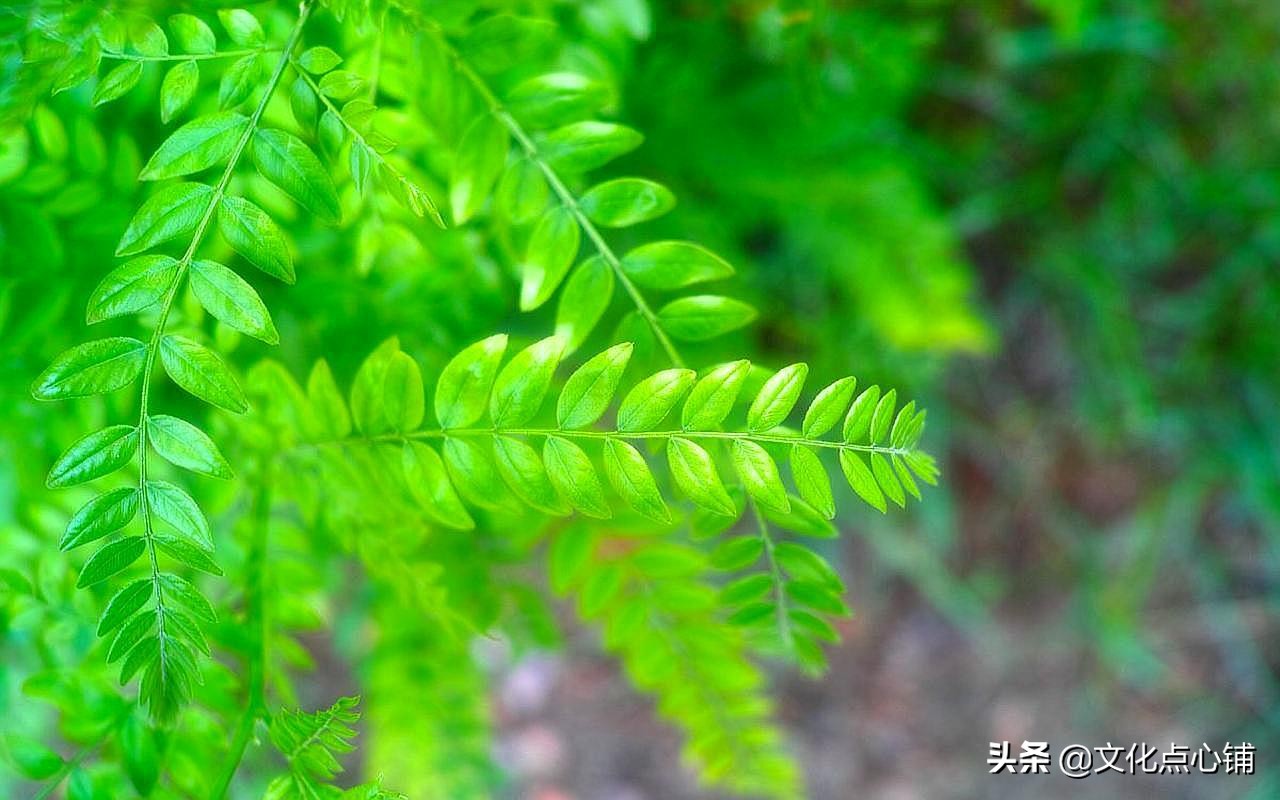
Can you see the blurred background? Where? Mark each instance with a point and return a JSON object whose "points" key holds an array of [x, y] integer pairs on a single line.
{"points": [[1053, 223]]}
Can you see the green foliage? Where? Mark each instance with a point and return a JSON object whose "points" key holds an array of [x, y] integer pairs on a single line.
{"points": [[672, 504]]}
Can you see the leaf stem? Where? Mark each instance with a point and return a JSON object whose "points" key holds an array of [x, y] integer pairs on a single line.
{"points": [[775, 575], [359, 137], [191, 56], [567, 199], [772, 438], [153, 347]]}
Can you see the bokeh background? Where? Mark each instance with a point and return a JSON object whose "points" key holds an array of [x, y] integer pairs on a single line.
{"points": [[1054, 223]]}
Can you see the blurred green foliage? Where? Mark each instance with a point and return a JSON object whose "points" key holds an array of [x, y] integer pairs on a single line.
{"points": [[1053, 222]]}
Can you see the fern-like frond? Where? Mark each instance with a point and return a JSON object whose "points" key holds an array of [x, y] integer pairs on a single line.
{"points": [[547, 468], [659, 613], [155, 621], [530, 146], [311, 743]]}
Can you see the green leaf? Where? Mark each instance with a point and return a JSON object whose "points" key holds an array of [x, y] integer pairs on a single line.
{"points": [[629, 475], [184, 445], [326, 402], [332, 134], [858, 421], [705, 316], [589, 390], [196, 146], [106, 513], [622, 202], [463, 387], [177, 89], [341, 85], [319, 60], [861, 480], [229, 298], [713, 396], [429, 482], [141, 755], [193, 35], [111, 559], [242, 26], [737, 553], [902, 425], [556, 98], [522, 192], [888, 481], [827, 408], [117, 82], [171, 503], [141, 656], [474, 473], [92, 456], [124, 604], [803, 564], [760, 475], [476, 166], [650, 400], [254, 235], [522, 384], [33, 759], [553, 245], [776, 398], [904, 475], [187, 554], [574, 477], [102, 365], [673, 265], [367, 390], [238, 81], [812, 481], [587, 145], [360, 164], [202, 372], [803, 520], [882, 416], [147, 38], [134, 285], [136, 628], [522, 469], [284, 160], [817, 596], [181, 593], [81, 66], [171, 212], [696, 476], [583, 302], [746, 589], [402, 398], [306, 106]]}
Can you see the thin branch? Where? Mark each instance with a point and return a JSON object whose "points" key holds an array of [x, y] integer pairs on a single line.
{"points": [[359, 137], [190, 56], [775, 574], [153, 347], [567, 199]]}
